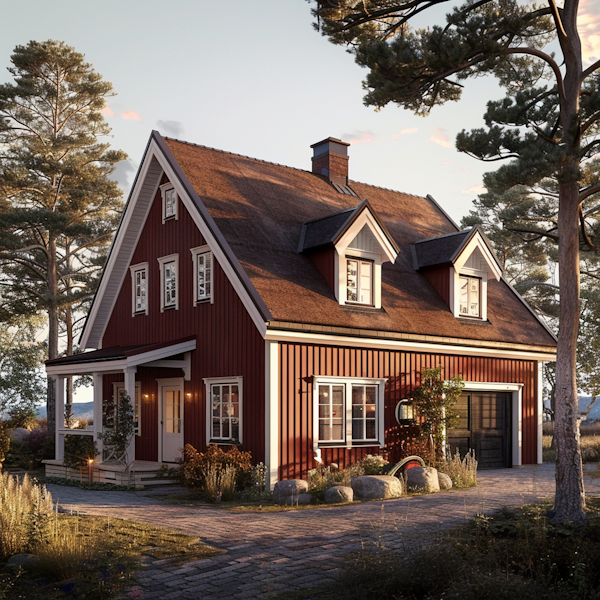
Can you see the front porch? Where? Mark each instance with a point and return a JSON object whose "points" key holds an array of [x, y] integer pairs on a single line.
{"points": [[119, 367]]}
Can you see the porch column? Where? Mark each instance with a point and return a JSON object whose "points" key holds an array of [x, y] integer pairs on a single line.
{"points": [[59, 450], [98, 413], [129, 378]]}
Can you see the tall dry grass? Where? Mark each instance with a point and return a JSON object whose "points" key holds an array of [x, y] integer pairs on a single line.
{"points": [[25, 511], [462, 471], [220, 483]]}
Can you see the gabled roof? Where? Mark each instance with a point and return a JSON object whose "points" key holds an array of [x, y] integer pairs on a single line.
{"points": [[252, 214], [328, 231]]}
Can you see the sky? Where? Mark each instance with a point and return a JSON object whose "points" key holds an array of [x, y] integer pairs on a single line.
{"points": [[256, 79]]}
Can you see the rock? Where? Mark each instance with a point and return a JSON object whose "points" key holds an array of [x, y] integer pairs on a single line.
{"points": [[339, 493], [27, 562], [445, 481], [423, 479], [288, 492], [376, 487], [18, 434]]}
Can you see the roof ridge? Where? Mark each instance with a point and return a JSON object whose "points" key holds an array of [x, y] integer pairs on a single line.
{"points": [[444, 235], [269, 162]]}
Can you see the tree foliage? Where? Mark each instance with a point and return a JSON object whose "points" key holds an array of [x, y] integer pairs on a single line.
{"points": [[546, 127]]}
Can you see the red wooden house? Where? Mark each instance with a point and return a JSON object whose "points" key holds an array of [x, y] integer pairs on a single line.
{"points": [[290, 311]]}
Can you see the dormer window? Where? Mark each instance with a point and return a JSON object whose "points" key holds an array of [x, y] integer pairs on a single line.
{"points": [[458, 265], [359, 281], [470, 296], [169, 201]]}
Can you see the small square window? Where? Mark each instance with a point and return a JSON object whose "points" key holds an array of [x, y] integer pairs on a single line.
{"points": [[169, 201]]}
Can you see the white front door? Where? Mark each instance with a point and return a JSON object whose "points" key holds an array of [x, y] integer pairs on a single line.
{"points": [[172, 421]]}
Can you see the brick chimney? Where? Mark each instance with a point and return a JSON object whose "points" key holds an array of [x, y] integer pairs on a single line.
{"points": [[330, 158]]}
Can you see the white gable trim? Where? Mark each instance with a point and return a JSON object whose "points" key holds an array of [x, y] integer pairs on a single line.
{"points": [[476, 242], [127, 237]]}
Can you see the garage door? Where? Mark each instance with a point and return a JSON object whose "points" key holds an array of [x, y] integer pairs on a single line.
{"points": [[485, 426]]}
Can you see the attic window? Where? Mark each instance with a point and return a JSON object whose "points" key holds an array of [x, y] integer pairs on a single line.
{"points": [[470, 296], [359, 281], [169, 201]]}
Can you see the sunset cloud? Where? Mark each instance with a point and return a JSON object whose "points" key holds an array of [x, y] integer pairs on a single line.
{"points": [[358, 137], [441, 140], [446, 163], [474, 189], [130, 115], [463, 170], [589, 29], [107, 111], [403, 132]]}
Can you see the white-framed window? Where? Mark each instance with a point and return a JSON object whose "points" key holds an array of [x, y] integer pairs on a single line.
{"points": [[169, 282], [469, 296], [139, 289], [348, 411], [359, 281], [224, 409], [202, 259], [169, 201], [137, 413]]}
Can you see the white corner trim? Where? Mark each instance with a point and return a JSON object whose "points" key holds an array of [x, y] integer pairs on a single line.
{"points": [[272, 412], [540, 412], [162, 261], [235, 380]]}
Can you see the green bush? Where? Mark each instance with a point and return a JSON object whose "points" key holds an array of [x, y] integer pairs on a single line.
{"points": [[79, 449], [373, 464], [4, 441]]}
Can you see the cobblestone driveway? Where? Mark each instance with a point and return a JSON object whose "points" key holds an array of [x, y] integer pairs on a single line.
{"points": [[270, 552]]}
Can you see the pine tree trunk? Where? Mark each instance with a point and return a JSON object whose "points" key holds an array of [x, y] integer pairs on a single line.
{"points": [[52, 334]]}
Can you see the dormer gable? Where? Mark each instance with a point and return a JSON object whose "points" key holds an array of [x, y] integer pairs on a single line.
{"points": [[348, 248], [459, 266]]}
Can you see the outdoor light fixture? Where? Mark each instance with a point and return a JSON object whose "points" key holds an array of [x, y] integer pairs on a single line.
{"points": [[90, 470], [405, 412], [189, 397], [146, 398]]}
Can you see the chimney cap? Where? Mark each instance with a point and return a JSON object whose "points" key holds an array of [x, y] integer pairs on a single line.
{"points": [[330, 139]]}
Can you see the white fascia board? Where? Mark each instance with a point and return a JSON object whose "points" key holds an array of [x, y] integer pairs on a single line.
{"points": [[154, 152], [477, 242], [122, 231], [214, 246], [105, 367], [407, 346], [366, 218], [160, 353]]}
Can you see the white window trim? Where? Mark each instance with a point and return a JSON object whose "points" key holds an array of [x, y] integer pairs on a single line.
{"points": [[348, 382], [208, 382], [163, 189], [195, 252], [133, 269], [455, 293], [373, 259], [161, 265], [120, 385]]}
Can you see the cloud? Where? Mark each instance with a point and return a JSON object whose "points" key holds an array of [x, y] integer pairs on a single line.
{"points": [[441, 140], [173, 128], [122, 172], [474, 189], [107, 111], [398, 136], [358, 137], [446, 163], [130, 115], [588, 24], [463, 170]]}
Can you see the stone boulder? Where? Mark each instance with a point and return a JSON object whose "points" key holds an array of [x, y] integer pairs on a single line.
{"points": [[339, 493], [445, 481], [376, 487], [28, 562], [292, 491], [423, 479]]}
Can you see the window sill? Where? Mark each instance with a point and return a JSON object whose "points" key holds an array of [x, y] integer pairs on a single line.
{"points": [[477, 320], [140, 313], [202, 301], [164, 308], [222, 442], [369, 444]]}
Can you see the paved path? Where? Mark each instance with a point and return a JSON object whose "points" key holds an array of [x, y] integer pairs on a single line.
{"points": [[270, 552]]}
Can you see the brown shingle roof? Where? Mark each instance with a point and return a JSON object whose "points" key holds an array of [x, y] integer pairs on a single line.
{"points": [[260, 209]]}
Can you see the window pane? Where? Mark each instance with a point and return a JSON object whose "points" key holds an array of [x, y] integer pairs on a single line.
{"points": [[474, 296], [464, 296], [352, 280], [365, 282], [371, 430], [357, 430]]}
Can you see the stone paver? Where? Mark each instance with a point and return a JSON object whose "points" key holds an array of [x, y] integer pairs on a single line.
{"points": [[274, 551]]}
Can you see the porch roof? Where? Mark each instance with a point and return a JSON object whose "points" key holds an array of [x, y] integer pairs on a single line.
{"points": [[118, 358]]}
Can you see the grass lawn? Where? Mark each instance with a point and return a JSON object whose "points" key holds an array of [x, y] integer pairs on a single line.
{"points": [[94, 558], [515, 554]]}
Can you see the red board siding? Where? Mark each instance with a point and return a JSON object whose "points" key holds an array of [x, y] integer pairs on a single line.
{"points": [[440, 280], [228, 343], [325, 262], [299, 362]]}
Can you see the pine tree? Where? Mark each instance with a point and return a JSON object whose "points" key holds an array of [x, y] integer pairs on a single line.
{"points": [[556, 102], [58, 208]]}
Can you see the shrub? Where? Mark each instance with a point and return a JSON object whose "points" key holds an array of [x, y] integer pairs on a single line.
{"points": [[373, 464], [220, 483], [322, 478], [78, 450], [4, 441], [198, 467], [22, 416], [462, 471], [25, 508]]}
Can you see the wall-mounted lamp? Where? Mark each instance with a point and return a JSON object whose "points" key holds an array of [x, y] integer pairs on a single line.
{"points": [[188, 397], [405, 412], [146, 398]]}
